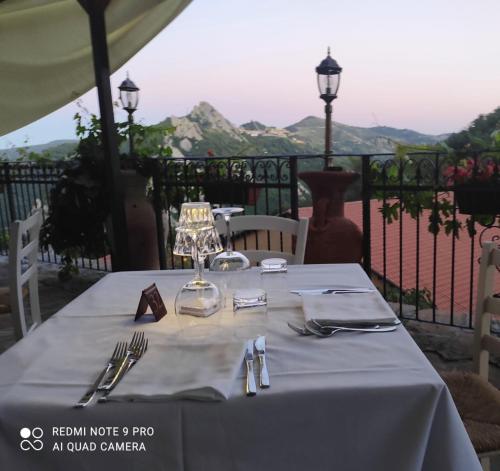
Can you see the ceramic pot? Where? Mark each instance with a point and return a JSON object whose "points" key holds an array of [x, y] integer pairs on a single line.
{"points": [[141, 223], [332, 238]]}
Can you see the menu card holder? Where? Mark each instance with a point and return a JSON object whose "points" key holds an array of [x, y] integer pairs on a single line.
{"points": [[151, 297]]}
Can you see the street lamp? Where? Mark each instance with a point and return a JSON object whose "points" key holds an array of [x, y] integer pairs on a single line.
{"points": [[328, 84], [129, 97]]}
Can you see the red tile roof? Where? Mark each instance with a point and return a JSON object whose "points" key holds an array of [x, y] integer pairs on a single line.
{"points": [[465, 249]]}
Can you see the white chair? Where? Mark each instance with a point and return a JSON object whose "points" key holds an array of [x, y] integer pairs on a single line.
{"points": [[28, 231], [298, 229], [478, 401]]}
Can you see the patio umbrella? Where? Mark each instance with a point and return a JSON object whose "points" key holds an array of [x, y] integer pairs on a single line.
{"points": [[46, 54]]}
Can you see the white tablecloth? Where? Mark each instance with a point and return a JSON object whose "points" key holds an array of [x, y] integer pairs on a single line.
{"points": [[355, 402]]}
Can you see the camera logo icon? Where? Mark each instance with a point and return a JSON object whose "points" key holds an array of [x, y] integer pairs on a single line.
{"points": [[31, 439]]}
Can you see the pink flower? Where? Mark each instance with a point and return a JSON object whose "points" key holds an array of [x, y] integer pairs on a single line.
{"points": [[470, 170]]}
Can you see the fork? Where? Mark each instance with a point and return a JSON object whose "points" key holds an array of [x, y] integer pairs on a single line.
{"points": [[133, 348], [137, 350], [116, 357], [307, 329], [329, 331]]}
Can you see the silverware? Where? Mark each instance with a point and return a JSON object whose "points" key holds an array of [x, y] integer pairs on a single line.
{"points": [[251, 389], [132, 350], [331, 290], [260, 346], [297, 328], [311, 329], [328, 332], [361, 324], [135, 356], [116, 358]]}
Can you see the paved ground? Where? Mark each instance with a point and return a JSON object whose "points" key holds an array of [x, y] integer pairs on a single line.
{"points": [[446, 347], [53, 294]]}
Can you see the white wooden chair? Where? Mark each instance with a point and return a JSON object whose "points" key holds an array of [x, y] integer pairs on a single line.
{"points": [[478, 401], [29, 231], [274, 224]]}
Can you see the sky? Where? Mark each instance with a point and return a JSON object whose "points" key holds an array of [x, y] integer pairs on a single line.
{"points": [[432, 65]]}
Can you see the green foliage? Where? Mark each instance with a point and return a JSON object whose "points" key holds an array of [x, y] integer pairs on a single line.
{"points": [[4, 239], [404, 171], [79, 203], [483, 133], [411, 296], [218, 142]]}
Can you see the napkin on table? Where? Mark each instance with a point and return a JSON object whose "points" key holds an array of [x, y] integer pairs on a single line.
{"points": [[346, 308], [204, 372]]}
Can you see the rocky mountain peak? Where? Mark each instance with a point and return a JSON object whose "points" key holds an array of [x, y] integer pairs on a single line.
{"points": [[208, 118]]}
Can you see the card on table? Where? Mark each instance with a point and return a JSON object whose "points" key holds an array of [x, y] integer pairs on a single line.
{"points": [[151, 297]]}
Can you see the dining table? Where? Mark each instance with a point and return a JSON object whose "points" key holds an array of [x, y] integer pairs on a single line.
{"points": [[352, 402]]}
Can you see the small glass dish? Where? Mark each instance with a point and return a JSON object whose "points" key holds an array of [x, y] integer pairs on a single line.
{"points": [[249, 298], [250, 313], [273, 265]]}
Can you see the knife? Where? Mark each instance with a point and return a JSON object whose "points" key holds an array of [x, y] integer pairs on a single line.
{"points": [[251, 389], [260, 346], [331, 290]]}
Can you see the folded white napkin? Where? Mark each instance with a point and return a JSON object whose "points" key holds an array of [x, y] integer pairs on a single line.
{"points": [[203, 372], [346, 308]]}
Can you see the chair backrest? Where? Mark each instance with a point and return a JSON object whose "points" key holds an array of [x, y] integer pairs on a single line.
{"points": [[298, 229], [486, 305], [20, 256]]}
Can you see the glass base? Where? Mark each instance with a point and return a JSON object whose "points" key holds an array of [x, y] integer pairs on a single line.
{"points": [[199, 298], [230, 261]]}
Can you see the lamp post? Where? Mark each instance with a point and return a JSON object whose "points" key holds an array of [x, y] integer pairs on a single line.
{"points": [[129, 97], [332, 238], [328, 72]]}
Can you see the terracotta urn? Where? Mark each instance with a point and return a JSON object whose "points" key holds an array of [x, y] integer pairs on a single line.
{"points": [[141, 223], [332, 237]]}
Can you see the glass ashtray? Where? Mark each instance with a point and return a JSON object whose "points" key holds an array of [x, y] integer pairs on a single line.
{"points": [[274, 265]]}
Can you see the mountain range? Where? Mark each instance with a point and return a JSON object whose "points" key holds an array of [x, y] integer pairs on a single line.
{"points": [[206, 130]]}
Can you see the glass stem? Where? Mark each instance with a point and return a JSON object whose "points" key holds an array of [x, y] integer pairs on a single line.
{"points": [[199, 262], [229, 243]]}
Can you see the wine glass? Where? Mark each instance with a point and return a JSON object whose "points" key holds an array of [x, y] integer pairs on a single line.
{"points": [[229, 260]]}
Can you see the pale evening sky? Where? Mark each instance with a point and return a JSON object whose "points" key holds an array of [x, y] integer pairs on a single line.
{"points": [[431, 65]]}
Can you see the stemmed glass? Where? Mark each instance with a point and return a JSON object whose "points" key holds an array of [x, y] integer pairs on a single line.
{"points": [[229, 260]]}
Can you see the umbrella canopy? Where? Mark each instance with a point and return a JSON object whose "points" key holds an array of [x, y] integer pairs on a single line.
{"points": [[46, 54]]}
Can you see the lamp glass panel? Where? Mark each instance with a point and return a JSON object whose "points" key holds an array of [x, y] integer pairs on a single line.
{"points": [[328, 84], [196, 225], [129, 99]]}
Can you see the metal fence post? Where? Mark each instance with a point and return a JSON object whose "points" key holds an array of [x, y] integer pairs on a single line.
{"points": [[294, 189], [158, 209], [366, 197], [10, 193]]}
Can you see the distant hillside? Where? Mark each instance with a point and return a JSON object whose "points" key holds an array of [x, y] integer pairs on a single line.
{"points": [[353, 139], [253, 126], [205, 129], [55, 149]]}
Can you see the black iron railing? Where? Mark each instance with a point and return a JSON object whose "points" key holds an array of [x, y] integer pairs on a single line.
{"points": [[428, 251], [419, 249], [262, 185]]}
